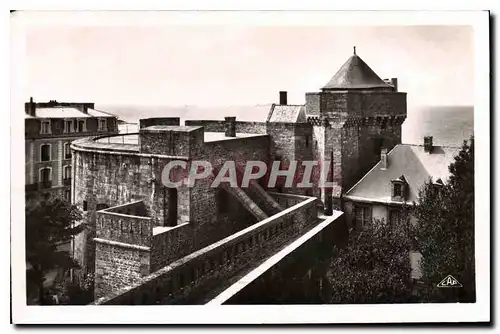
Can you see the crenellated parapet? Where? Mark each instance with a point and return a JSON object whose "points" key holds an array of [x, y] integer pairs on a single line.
{"points": [[375, 121], [127, 224]]}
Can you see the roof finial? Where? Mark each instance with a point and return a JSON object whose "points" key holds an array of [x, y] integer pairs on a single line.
{"points": [[354, 49]]}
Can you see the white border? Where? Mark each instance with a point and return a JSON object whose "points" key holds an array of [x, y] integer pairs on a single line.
{"points": [[480, 311]]}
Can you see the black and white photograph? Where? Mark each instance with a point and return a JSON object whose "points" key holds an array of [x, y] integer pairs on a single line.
{"points": [[250, 167]]}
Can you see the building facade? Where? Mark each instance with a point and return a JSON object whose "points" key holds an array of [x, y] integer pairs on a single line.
{"points": [[50, 127]]}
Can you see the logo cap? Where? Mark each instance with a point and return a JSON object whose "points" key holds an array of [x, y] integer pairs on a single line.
{"points": [[449, 282]]}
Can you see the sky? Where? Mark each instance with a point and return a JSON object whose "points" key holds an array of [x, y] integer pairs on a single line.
{"points": [[165, 64]]}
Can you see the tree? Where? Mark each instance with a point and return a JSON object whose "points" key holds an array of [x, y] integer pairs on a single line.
{"points": [[373, 268], [49, 223], [445, 231], [71, 293]]}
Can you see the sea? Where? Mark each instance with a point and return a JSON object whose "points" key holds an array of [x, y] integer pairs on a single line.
{"points": [[448, 125]]}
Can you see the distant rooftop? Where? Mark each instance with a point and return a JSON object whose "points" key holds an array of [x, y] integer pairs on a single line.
{"points": [[67, 112], [287, 113], [59, 112]]}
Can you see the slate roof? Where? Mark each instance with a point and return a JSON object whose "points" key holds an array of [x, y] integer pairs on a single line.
{"points": [[287, 113], [411, 161], [60, 112], [67, 112], [355, 74]]}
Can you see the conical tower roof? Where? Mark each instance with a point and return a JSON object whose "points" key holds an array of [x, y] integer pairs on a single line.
{"points": [[355, 74]]}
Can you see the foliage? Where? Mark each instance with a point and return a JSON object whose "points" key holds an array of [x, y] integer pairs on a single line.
{"points": [[71, 293], [49, 223], [373, 268], [445, 231]]}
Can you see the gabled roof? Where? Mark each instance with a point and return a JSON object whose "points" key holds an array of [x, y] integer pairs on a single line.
{"points": [[411, 161], [355, 74], [287, 113]]}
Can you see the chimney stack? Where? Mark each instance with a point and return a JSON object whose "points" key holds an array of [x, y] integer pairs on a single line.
{"points": [[428, 144], [393, 82], [31, 108], [383, 159], [283, 98], [230, 126]]}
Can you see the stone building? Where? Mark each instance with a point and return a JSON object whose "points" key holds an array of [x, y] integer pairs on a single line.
{"points": [[50, 127], [137, 225]]}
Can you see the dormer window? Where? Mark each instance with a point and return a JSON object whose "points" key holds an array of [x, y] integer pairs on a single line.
{"points": [[103, 124], [81, 125], [68, 126], [438, 185], [45, 128], [399, 188]]}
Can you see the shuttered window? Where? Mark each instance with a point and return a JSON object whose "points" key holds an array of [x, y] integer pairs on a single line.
{"points": [[363, 216]]}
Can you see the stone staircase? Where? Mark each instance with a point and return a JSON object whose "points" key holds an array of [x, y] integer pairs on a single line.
{"points": [[246, 201], [261, 197]]}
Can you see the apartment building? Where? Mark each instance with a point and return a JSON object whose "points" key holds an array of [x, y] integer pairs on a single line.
{"points": [[50, 127]]}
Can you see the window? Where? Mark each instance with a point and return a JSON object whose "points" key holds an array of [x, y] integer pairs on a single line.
{"points": [[394, 217], [103, 125], [438, 185], [46, 177], [68, 126], [84, 205], [398, 190], [363, 216], [67, 150], [45, 152], [67, 172], [45, 127], [67, 195], [82, 125], [307, 141]]}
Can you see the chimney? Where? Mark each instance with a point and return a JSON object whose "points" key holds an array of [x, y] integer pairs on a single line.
{"points": [[31, 110], [428, 144], [393, 82], [383, 159], [230, 126], [283, 98]]}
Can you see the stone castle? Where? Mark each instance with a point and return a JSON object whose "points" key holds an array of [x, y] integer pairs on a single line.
{"points": [[139, 230]]}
